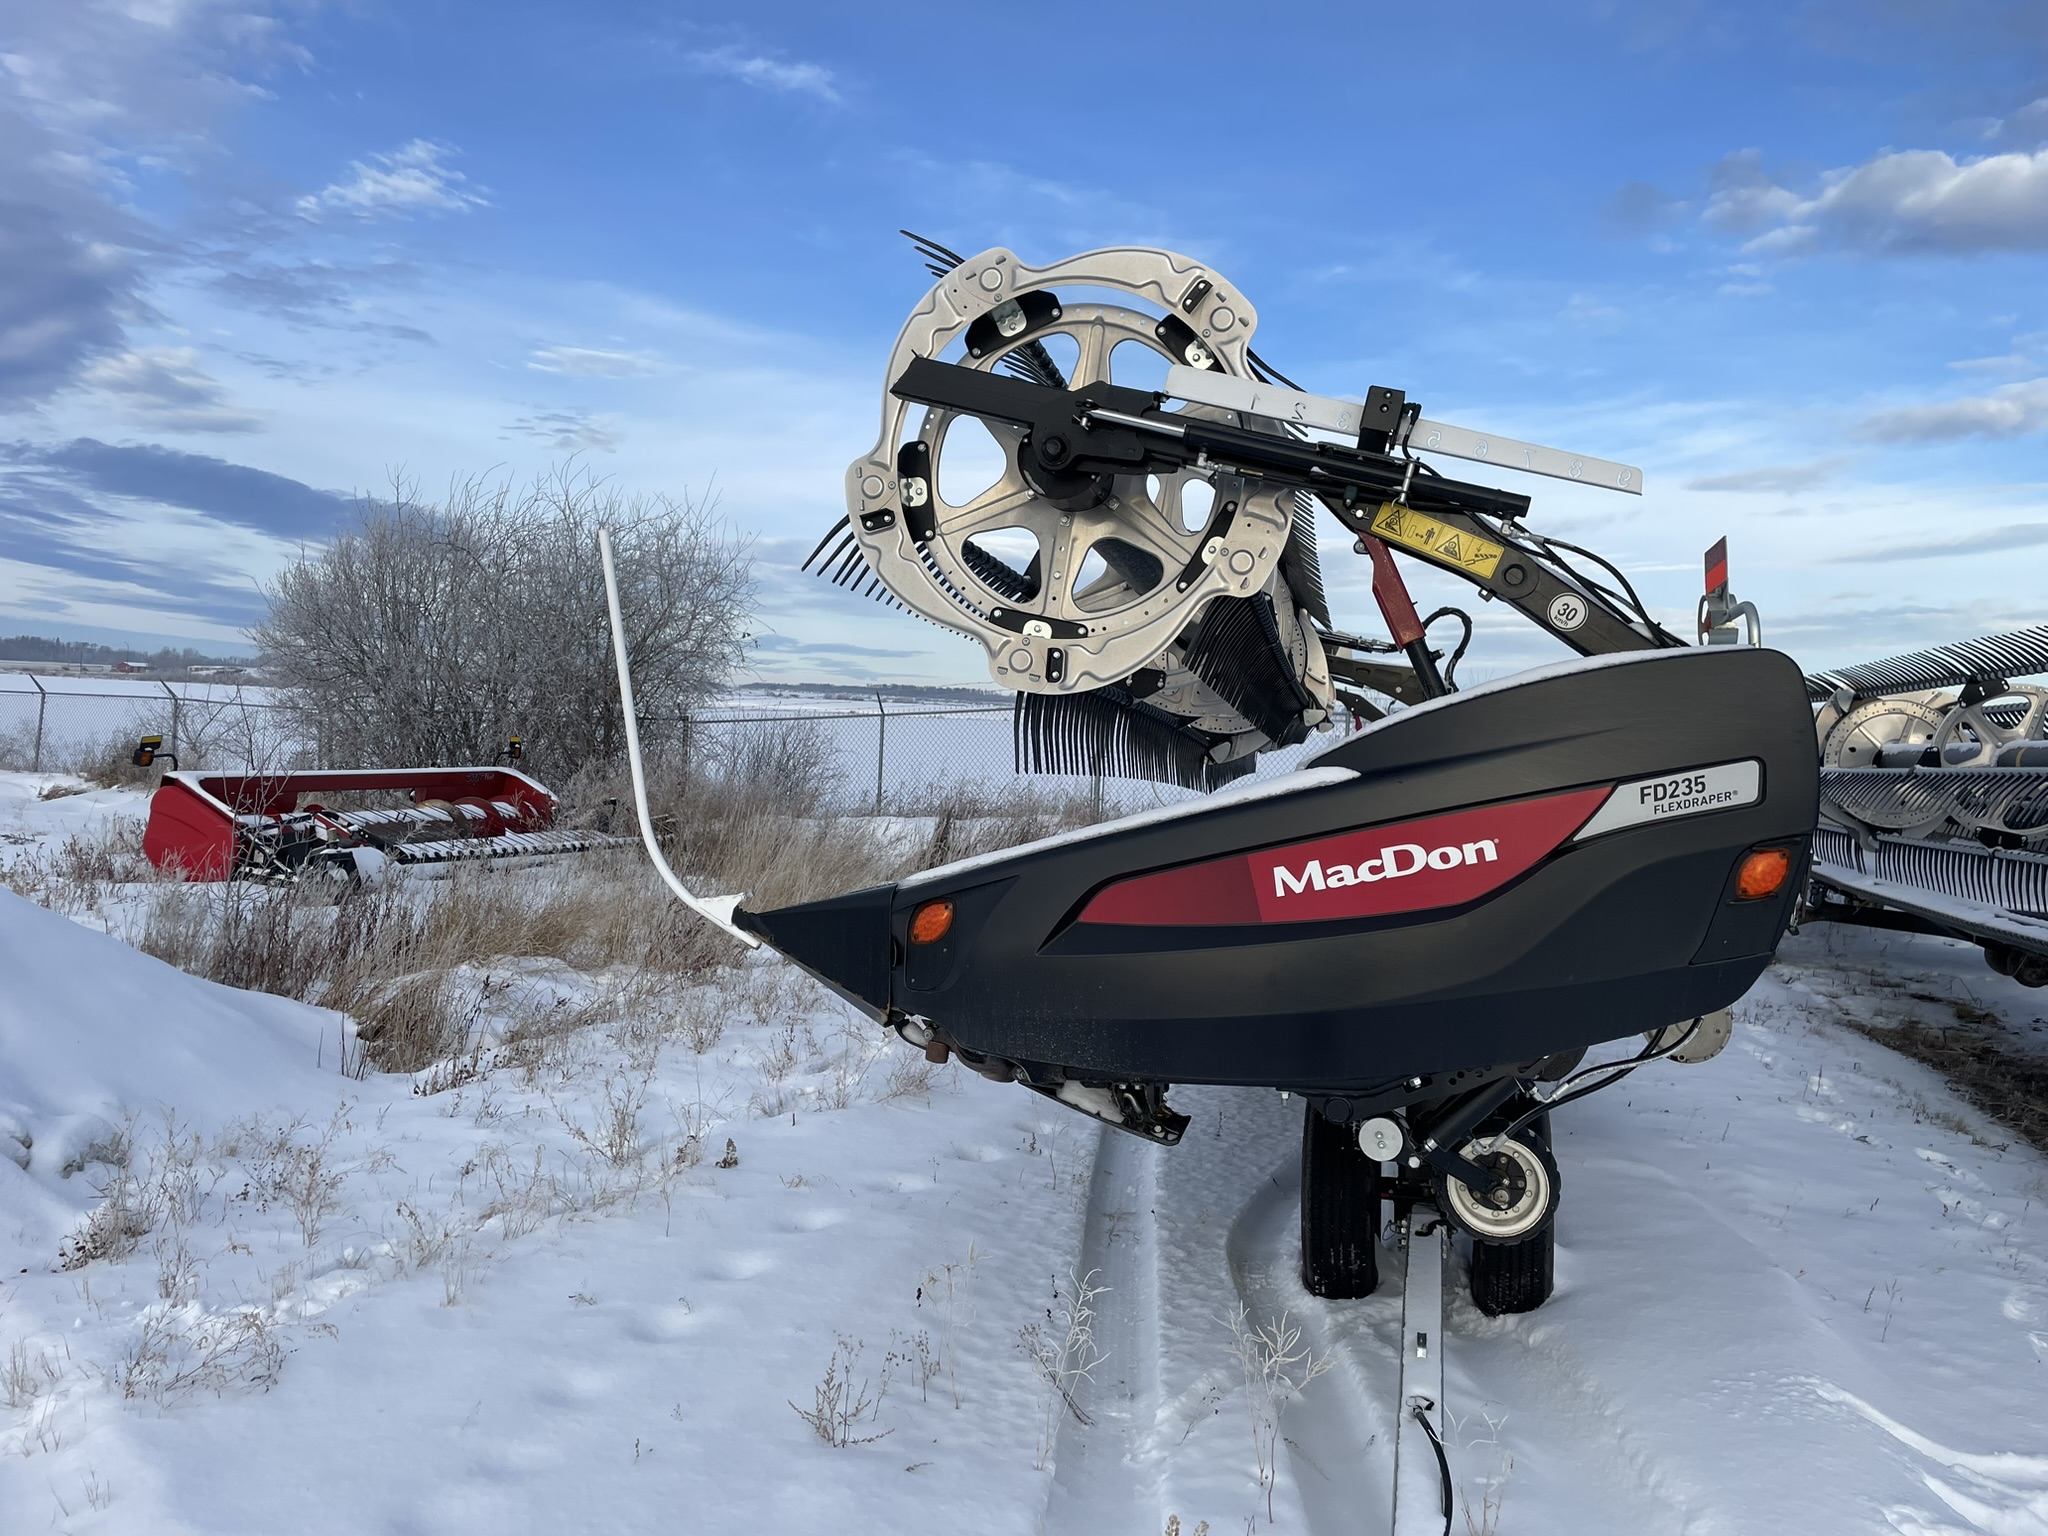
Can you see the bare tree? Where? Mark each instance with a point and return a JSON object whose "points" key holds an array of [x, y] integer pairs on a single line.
{"points": [[429, 633]]}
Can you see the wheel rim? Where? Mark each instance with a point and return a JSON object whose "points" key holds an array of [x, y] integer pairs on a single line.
{"points": [[1531, 1188]]}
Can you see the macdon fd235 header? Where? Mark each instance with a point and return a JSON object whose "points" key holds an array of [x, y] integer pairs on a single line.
{"points": [[1422, 929]]}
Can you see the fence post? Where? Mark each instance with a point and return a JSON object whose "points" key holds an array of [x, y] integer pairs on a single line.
{"points": [[174, 717], [42, 703], [881, 746]]}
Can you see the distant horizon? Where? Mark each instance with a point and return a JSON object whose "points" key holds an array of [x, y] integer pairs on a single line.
{"points": [[144, 646]]}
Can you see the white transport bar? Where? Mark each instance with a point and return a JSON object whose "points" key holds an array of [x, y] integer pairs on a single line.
{"points": [[1227, 392], [1422, 1484]]}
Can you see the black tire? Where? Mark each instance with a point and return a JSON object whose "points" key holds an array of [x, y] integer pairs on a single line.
{"points": [[1517, 1277], [1514, 1277], [1340, 1211]]}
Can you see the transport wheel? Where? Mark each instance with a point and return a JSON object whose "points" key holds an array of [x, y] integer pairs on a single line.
{"points": [[1340, 1211], [1516, 1277]]}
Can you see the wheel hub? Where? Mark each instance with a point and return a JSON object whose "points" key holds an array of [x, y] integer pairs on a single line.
{"points": [[1517, 1200]]}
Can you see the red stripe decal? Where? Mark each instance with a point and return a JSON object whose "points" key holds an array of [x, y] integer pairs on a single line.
{"points": [[1410, 866]]}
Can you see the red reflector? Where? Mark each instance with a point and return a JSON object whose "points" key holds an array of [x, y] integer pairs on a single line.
{"points": [[931, 922], [1763, 873]]}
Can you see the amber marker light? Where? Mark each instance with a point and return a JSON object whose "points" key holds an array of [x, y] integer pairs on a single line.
{"points": [[934, 920], [1763, 873]]}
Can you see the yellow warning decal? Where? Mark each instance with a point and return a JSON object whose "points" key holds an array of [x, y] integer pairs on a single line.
{"points": [[1440, 541]]}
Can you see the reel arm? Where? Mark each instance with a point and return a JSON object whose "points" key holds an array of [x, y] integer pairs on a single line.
{"points": [[1466, 529]]}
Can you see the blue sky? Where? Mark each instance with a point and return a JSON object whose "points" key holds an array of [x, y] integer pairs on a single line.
{"points": [[257, 258]]}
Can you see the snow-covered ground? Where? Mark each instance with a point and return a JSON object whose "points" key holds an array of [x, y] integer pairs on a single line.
{"points": [[1802, 1287]]}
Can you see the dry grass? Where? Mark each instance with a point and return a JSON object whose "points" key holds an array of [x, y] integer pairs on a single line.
{"points": [[387, 953], [109, 761], [1972, 1054], [79, 874]]}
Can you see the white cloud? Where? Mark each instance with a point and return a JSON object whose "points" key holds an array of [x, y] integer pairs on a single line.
{"points": [[1904, 200], [2029, 125], [409, 180], [2013, 410], [1591, 313], [567, 431], [769, 74], [165, 387], [1771, 477], [592, 363], [90, 91]]}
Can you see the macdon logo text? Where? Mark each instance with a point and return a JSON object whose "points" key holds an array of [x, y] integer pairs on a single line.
{"points": [[1391, 863]]}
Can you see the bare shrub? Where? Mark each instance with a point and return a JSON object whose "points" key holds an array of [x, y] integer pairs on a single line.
{"points": [[109, 760], [181, 1350], [425, 1240], [754, 818], [911, 1076], [80, 873], [615, 1136], [948, 1290], [292, 1165], [1277, 1365], [860, 1046], [428, 633], [701, 1018], [457, 1268], [523, 1196], [26, 1375], [1063, 1351], [839, 1405], [1483, 1518], [18, 749], [113, 1228]]}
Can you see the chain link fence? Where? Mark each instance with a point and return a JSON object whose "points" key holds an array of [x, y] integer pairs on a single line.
{"points": [[873, 759], [90, 726], [891, 756]]}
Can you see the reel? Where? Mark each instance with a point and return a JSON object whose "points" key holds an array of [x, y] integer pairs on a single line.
{"points": [[1171, 614]]}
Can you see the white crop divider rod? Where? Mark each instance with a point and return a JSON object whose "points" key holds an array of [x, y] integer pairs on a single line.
{"points": [[881, 746], [716, 910], [1422, 1477]]}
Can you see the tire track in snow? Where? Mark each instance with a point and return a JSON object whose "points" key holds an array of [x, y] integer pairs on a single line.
{"points": [[1338, 1434], [1104, 1479]]}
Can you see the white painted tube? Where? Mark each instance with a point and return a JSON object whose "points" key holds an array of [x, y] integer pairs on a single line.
{"points": [[716, 910]]}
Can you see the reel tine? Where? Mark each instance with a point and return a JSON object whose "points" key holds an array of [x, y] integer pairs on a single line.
{"points": [[854, 563], [846, 523], [838, 550], [1301, 562], [1033, 364], [1110, 733], [1267, 372], [2021, 653], [1237, 652], [933, 252]]}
